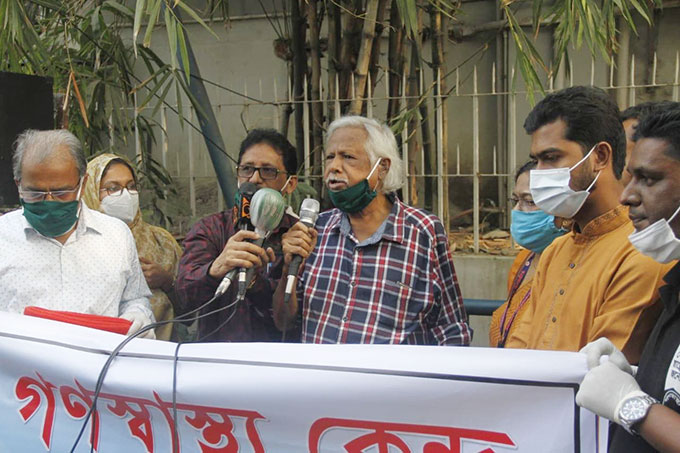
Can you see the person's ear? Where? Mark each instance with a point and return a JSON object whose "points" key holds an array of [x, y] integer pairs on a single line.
{"points": [[603, 153], [384, 167], [292, 184]]}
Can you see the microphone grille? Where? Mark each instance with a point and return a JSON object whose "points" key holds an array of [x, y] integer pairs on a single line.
{"points": [[309, 211], [266, 209]]}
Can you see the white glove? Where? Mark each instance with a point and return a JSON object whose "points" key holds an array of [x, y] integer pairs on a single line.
{"points": [[139, 320], [604, 388], [602, 347]]}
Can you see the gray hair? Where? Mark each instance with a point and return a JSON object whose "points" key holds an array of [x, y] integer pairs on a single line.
{"points": [[42, 144], [380, 143]]}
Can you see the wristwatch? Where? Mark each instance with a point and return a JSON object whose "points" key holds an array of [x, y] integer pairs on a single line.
{"points": [[633, 410]]}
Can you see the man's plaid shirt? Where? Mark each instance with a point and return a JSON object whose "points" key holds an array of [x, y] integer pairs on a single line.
{"points": [[398, 286]]}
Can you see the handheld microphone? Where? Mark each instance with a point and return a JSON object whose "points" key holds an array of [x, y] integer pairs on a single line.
{"points": [[241, 210], [266, 211], [309, 212], [241, 216]]}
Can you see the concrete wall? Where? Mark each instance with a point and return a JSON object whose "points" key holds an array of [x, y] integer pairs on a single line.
{"points": [[482, 277]]}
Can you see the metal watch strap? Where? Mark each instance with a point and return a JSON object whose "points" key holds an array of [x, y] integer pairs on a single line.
{"points": [[630, 425]]}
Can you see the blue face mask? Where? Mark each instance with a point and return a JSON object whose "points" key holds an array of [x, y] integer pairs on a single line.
{"points": [[534, 230]]}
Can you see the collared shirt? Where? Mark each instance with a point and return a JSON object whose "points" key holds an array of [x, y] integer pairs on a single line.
{"points": [[250, 320], [589, 285], [398, 286], [95, 271], [659, 370]]}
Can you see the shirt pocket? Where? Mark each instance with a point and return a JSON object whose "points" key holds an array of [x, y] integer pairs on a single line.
{"points": [[396, 309]]}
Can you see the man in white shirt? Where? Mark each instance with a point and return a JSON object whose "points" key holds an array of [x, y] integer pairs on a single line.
{"points": [[57, 253]]}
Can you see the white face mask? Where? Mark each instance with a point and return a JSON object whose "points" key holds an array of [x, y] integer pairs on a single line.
{"points": [[123, 206], [658, 241], [551, 192]]}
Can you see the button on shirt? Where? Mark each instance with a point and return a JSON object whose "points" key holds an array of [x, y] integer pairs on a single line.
{"points": [[96, 271], [593, 284], [398, 286]]}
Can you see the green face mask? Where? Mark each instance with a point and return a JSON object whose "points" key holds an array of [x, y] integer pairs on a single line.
{"points": [[51, 218], [355, 198]]}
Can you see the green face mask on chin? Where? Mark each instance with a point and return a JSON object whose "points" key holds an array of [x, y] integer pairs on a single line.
{"points": [[355, 198], [51, 218]]}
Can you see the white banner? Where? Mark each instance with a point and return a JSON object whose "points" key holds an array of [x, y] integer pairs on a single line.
{"points": [[255, 397]]}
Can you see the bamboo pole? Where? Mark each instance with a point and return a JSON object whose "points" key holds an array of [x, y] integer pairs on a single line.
{"points": [[364, 58], [315, 92], [395, 61]]}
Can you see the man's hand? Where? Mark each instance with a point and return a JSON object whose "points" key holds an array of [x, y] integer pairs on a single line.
{"points": [[604, 388], [298, 240], [139, 320], [601, 347], [239, 252], [155, 275]]}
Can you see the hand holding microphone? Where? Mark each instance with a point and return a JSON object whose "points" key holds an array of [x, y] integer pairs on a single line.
{"points": [[298, 243], [239, 250], [266, 211]]}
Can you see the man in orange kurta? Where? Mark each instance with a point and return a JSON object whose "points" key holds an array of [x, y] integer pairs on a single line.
{"points": [[591, 282]]}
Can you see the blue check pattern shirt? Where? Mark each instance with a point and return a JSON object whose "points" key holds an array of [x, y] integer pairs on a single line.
{"points": [[399, 286]]}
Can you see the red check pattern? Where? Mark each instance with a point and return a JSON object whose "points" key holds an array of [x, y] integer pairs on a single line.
{"points": [[253, 318], [398, 286]]}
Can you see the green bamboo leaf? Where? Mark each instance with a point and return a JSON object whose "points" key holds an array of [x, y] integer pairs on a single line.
{"points": [[161, 98], [94, 20], [139, 12], [642, 10], [196, 17], [409, 16], [114, 7], [536, 14], [55, 6], [153, 18], [153, 91], [184, 53], [178, 98], [171, 27], [200, 109]]}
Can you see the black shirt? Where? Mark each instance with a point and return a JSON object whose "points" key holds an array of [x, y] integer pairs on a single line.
{"points": [[659, 371]]}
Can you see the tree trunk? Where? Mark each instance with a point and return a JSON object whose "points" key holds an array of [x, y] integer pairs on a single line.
{"points": [[351, 35], [316, 107], [299, 71], [412, 105], [334, 27], [425, 133], [396, 61], [361, 72], [438, 23], [377, 41]]}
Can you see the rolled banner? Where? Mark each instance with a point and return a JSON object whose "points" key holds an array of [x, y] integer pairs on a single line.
{"points": [[107, 323]]}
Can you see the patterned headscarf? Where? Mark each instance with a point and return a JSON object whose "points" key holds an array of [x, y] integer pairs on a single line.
{"points": [[153, 243]]}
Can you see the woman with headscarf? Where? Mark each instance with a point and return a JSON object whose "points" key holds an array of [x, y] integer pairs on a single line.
{"points": [[534, 230], [112, 189]]}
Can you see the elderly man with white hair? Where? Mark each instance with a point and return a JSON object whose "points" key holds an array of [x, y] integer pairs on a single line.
{"points": [[58, 254], [381, 271]]}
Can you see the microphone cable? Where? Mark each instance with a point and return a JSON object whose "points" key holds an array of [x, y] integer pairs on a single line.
{"points": [[122, 344]]}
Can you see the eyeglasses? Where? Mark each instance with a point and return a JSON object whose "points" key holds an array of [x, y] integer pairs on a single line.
{"points": [[266, 173], [524, 203], [114, 190], [32, 196]]}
